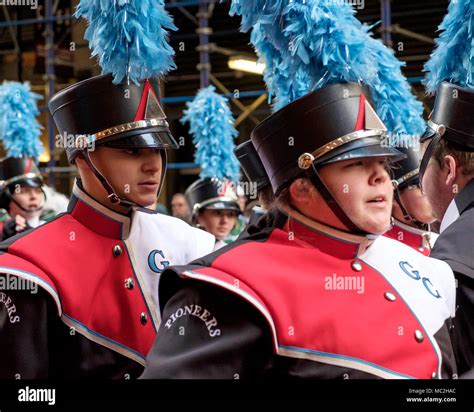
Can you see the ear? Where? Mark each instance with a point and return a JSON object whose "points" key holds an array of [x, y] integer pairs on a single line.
{"points": [[300, 191], [79, 162], [450, 166]]}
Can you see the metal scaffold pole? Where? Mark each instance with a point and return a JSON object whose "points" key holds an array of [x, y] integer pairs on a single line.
{"points": [[386, 12], [50, 86], [204, 31]]}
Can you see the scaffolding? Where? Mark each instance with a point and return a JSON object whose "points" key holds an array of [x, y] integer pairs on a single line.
{"points": [[205, 49]]}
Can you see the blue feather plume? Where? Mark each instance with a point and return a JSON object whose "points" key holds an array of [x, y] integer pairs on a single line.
{"points": [[453, 57], [130, 37], [308, 44], [19, 130], [212, 127]]}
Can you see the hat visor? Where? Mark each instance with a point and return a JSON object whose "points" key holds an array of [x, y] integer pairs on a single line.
{"points": [[412, 181], [224, 206], [429, 134], [29, 182], [158, 139], [360, 148], [415, 180]]}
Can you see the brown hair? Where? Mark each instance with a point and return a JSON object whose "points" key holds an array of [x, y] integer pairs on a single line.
{"points": [[464, 159]]}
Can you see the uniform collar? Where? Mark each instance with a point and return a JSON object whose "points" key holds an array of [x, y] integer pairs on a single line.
{"points": [[328, 239], [96, 216], [410, 229], [463, 201]]}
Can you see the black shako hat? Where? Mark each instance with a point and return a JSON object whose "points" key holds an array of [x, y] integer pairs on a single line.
{"points": [[97, 112], [251, 164], [20, 170], [452, 119], [335, 123], [211, 193], [17, 171], [453, 116], [407, 171]]}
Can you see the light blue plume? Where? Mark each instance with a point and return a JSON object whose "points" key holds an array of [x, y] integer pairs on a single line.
{"points": [[212, 127], [19, 130], [308, 44], [453, 58], [130, 37]]}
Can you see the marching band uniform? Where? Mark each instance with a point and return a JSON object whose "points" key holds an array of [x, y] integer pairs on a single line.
{"points": [[95, 270], [294, 310], [418, 239]]}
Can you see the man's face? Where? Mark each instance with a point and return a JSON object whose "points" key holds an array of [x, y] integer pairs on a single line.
{"points": [[179, 207], [28, 198], [364, 190], [217, 222], [133, 173], [434, 186]]}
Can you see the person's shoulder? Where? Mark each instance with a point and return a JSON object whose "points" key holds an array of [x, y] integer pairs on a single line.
{"points": [[43, 232], [454, 246], [179, 230], [461, 229], [407, 253], [26, 276]]}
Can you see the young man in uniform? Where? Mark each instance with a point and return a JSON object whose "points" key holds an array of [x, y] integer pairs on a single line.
{"points": [[87, 305], [412, 213], [319, 294]]}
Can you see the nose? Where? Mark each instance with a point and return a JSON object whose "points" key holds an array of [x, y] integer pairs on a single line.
{"points": [[379, 174], [152, 160], [225, 218]]}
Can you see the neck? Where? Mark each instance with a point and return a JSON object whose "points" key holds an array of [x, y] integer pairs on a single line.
{"points": [[33, 221], [363, 241]]}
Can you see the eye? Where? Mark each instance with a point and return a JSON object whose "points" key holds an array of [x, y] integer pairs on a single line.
{"points": [[354, 164], [131, 151]]}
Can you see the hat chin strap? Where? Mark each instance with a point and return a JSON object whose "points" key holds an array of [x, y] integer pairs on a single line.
{"points": [[333, 204], [406, 215], [113, 197]]}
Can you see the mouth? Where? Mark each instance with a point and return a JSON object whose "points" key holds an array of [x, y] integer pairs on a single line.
{"points": [[149, 183], [378, 201]]}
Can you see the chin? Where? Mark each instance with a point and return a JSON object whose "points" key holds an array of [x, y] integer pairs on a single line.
{"points": [[377, 228], [144, 201], [427, 219]]}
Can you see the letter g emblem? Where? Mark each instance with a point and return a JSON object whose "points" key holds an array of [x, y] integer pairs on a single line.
{"points": [[161, 265]]}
